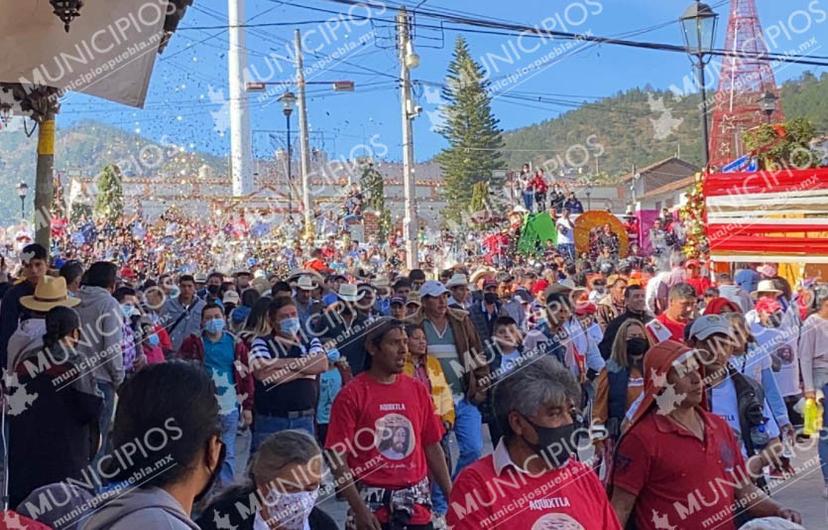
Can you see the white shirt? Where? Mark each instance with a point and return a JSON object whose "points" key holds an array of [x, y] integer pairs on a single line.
{"points": [[726, 406], [781, 342], [584, 344], [565, 232], [812, 349], [651, 291]]}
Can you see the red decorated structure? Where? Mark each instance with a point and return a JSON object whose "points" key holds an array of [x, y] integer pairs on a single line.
{"points": [[743, 81], [779, 216]]}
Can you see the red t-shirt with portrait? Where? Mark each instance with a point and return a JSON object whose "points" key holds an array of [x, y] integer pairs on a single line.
{"points": [[569, 498], [383, 430]]}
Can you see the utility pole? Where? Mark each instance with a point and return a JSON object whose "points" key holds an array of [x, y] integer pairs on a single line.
{"points": [[408, 59], [304, 147], [241, 164]]}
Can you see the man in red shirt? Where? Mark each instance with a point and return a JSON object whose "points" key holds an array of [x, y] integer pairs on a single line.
{"points": [[532, 479], [384, 439], [694, 277], [700, 488], [671, 323]]}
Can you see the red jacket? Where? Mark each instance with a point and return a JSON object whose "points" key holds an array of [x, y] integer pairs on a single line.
{"points": [[539, 184], [192, 349]]}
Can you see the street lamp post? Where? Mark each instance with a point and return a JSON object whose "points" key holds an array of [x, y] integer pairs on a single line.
{"points": [[767, 102], [589, 194], [22, 192], [288, 101], [698, 25]]}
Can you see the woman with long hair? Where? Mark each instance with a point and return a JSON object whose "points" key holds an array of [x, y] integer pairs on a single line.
{"points": [[257, 324], [620, 384]]}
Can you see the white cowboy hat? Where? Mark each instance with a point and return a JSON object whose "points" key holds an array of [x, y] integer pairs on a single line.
{"points": [[349, 292], [457, 280], [50, 292], [381, 282], [306, 283]]}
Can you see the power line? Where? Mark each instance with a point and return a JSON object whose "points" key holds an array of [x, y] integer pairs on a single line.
{"points": [[499, 28]]}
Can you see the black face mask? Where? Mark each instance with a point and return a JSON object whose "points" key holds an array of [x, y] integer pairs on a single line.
{"points": [[213, 289], [490, 298], [555, 444], [637, 347], [213, 476]]}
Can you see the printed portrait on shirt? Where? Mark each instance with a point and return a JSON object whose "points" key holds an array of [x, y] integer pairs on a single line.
{"points": [[785, 354], [557, 521], [394, 436]]}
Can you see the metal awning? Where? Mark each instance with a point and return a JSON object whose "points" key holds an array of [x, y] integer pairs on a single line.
{"points": [[109, 51]]}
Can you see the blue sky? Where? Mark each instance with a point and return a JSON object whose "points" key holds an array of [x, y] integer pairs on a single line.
{"points": [[190, 78]]}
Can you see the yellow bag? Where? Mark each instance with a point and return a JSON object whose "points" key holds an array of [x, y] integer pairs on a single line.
{"points": [[812, 416]]}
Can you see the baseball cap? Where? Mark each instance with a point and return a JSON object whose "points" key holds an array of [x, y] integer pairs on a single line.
{"points": [[489, 283], [432, 288], [705, 326], [231, 297], [398, 300]]}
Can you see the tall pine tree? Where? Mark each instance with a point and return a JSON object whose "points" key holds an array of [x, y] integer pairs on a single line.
{"points": [[472, 132], [109, 203]]}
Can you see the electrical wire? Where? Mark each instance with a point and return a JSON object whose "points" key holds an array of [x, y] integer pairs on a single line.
{"points": [[492, 27]]}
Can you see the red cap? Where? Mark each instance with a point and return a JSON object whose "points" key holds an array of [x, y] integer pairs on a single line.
{"points": [[720, 305], [691, 263], [539, 286], [126, 272]]}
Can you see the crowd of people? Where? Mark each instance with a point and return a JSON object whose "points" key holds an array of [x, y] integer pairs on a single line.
{"points": [[381, 388]]}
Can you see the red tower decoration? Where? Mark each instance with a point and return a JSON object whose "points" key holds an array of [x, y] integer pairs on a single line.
{"points": [[742, 82]]}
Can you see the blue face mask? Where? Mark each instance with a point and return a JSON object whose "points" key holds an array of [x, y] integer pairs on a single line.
{"points": [[290, 326], [127, 310], [333, 355], [153, 340], [214, 326]]}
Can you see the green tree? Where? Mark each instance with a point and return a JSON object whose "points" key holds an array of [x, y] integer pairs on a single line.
{"points": [[785, 147], [479, 198], [472, 132], [109, 203], [373, 187], [80, 210]]}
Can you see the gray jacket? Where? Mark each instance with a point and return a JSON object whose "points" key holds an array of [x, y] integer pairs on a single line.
{"points": [[737, 295], [101, 333], [140, 509], [189, 324]]}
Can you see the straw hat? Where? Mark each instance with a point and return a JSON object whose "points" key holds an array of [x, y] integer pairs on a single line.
{"points": [[765, 286], [50, 292], [479, 273]]}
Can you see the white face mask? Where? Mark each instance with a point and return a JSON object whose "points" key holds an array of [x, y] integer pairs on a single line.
{"points": [[289, 510]]}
